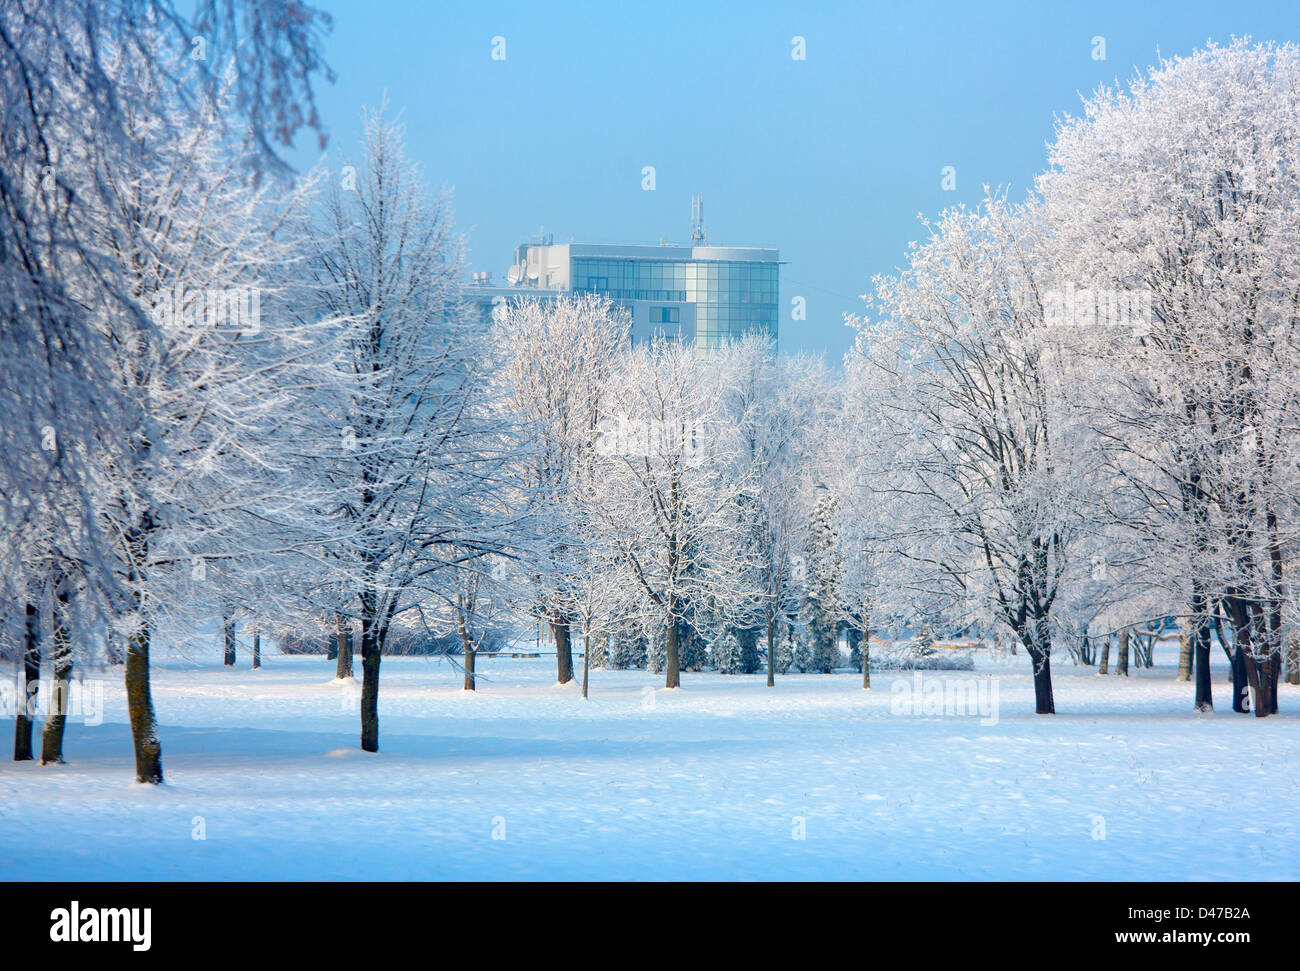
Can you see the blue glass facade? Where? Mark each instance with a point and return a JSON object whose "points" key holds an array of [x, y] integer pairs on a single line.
{"points": [[729, 297], [707, 295]]}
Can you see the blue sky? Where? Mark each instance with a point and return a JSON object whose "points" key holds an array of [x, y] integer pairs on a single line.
{"points": [[830, 159]]}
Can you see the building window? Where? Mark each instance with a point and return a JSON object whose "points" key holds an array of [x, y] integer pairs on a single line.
{"points": [[665, 315]]}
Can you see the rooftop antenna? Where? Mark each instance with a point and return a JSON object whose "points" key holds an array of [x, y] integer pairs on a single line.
{"points": [[697, 220]]}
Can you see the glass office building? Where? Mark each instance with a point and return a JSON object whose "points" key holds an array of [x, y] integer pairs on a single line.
{"points": [[704, 294], [727, 297]]}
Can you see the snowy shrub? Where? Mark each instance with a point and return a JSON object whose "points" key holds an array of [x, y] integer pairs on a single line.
{"points": [[750, 661], [915, 656], [627, 651], [726, 654], [803, 654]]}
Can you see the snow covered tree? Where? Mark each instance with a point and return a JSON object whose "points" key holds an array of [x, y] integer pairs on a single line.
{"points": [[861, 525], [557, 358], [802, 653], [599, 651], [784, 656], [596, 603], [821, 607], [74, 303], [981, 466], [201, 396], [749, 661], [65, 107], [628, 651], [726, 654], [409, 447], [693, 650], [781, 411], [664, 490], [480, 590], [657, 651], [1182, 191], [617, 651]]}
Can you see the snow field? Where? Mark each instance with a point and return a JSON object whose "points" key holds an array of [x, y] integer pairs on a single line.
{"points": [[720, 779]]}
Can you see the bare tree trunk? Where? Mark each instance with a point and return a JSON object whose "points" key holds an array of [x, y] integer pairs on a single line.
{"points": [[1204, 684], [1240, 676], [586, 660], [1104, 666], [866, 649], [1293, 657], [369, 686], [228, 630], [1242, 646], [57, 716], [563, 649], [1273, 675], [1122, 666], [1044, 702], [471, 656], [342, 645], [1256, 685], [1259, 670], [139, 702], [466, 642], [31, 675], [1201, 654], [1184, 658], [771, 652], [257, 648], [673, 679]]}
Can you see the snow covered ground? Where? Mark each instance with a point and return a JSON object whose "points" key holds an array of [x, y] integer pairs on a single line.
{"points": [[718, 779]]}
